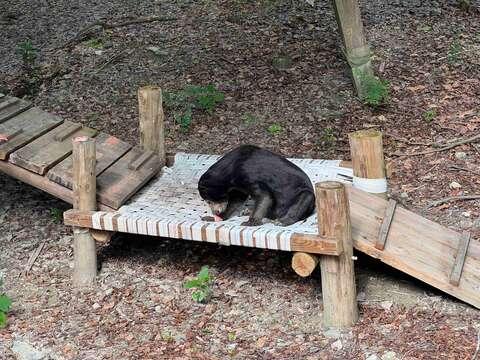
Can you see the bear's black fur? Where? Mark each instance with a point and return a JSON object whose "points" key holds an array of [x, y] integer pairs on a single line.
{"points": [[280, 189]]}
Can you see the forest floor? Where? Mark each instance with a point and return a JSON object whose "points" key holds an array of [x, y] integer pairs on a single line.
{"points": [[429, 51]]}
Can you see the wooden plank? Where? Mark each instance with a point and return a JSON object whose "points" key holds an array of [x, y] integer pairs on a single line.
{"points": [[138, 162], [457, 269], [315, 244], [417, 246], [299, 242], [386, 222], [49, 149], [118, 183], [109, 150], [11, 106], [27, 126], [42, 183]]}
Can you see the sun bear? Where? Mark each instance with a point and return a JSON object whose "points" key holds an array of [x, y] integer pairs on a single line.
{"points": [[281, 191]]}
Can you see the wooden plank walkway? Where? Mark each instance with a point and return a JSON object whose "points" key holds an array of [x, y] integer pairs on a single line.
{"points": [[36, 147]]}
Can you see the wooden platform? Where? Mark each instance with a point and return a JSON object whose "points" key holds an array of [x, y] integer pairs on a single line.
{"points": [[36, 147]]}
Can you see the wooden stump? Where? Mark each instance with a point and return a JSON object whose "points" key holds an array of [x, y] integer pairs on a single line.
{"points": [[338, 277], [357, 51], [303, 263], [152, 120], [366, 150], [84, 190], [101, 235]]}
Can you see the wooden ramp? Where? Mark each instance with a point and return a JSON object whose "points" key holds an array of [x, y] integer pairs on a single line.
{"points": [[36, 148]]}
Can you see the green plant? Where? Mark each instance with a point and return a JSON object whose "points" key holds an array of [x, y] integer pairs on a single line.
{"points": [[167, 336], [454, 52], [5, 304], [30, 78], [465, 5], [375, 91], [249, 119], [429, 115], [183, 102], [95, 43], [27, 52], [275, 129], [328, 136], [201, 283], [56, 214], [231, 336]]}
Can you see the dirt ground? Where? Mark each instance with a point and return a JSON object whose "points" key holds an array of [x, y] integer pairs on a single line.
{"points": [[427, 50]]}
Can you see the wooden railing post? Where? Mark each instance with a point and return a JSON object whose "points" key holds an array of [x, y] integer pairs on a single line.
{"points": [[338, 276], [369, 173], [84, 192], [152, 136], [357, 51]]}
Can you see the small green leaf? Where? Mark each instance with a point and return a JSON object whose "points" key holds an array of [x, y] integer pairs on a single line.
{"points": [[5, 303], [204, 274], [194, 283], [3, 320], [198, 296]]}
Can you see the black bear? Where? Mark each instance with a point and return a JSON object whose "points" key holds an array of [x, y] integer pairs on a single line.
{"points": [[281, 191]]}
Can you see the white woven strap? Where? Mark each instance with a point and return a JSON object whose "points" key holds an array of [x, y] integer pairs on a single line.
{"points": [[374, 186]]}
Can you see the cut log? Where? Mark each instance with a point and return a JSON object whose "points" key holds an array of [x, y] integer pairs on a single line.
{"points": [[340, 308], [366, 150], [304, 264], [102, 236], [84, 189], [150, 109]]}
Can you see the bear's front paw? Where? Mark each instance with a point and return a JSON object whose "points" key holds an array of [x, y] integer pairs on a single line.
{"points": [[252, 222], [277, 222], [207, 218]]}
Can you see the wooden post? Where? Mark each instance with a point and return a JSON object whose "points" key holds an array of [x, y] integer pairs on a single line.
{"points": [[84, 190], [366, 150], [338, 277], [357, 51], [152, 120], [303, 263]]}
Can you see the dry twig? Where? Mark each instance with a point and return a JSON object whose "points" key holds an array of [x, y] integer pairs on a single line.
{"points": [[34, 257], [446, 147], [453, 198], [103, 25], [454, 167], [112, 59]]}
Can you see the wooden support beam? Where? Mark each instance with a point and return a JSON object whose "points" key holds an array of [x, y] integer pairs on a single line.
{"points": [[385, 227], [42, 183], [357, 51], [457, 268], [310, 243], [152, 136], [338, 277], [366, 150], [303, 263], [84, 189]]}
